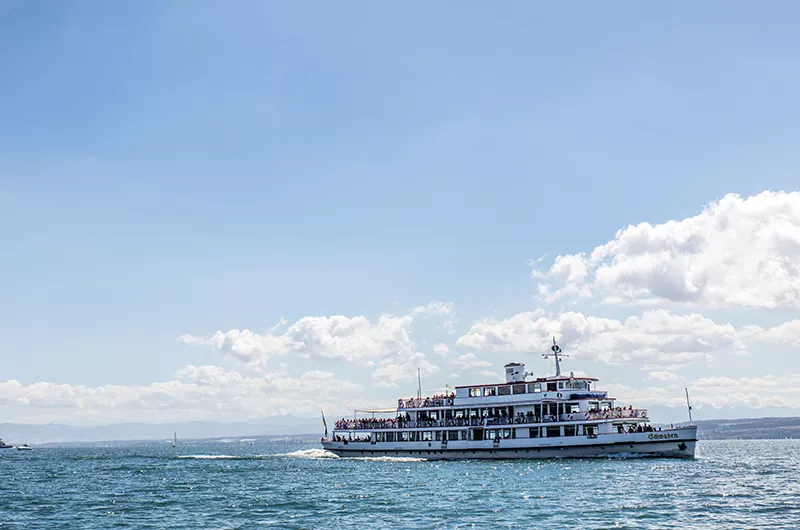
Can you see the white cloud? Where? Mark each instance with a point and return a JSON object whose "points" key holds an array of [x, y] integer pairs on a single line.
{"points": [[352, 339], [469, 361], [433, 308], [532, 332], [787, 333], [393, 370], [736, 253], [196, 392], [662, 375], [441, 349], [243, 344], [781, 391], [657, 337], [439, 309]]}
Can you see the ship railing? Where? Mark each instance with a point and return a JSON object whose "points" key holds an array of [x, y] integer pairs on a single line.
{"points": [[372, 424], [436, 401], [394, 423]]}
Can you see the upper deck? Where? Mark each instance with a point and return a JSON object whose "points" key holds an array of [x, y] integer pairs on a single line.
{"points": [[516, 391]]}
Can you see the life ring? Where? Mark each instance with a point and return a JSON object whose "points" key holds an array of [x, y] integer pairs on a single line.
{"points": [[558, 395]]}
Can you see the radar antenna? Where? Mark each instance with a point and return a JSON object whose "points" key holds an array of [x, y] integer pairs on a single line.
{"points": [[557, 355]]}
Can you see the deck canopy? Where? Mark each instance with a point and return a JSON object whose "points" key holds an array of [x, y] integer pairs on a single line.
{"points": [[377, 411]]}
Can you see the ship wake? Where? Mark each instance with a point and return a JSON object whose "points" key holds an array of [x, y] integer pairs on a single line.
{"points": [[314, 454]]}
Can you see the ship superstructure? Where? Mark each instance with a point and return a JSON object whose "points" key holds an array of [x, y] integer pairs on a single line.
{"points": [[525, 417]]}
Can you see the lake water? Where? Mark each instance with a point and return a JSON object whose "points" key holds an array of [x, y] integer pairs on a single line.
{"points": [[732, 484]]}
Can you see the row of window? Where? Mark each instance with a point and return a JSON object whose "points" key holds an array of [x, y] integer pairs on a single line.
{"points": [[488, 434], [501, 412], [420, 436], [527, 388]]}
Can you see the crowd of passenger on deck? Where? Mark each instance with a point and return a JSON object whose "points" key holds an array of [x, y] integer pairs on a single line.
{"points": [[618, 412], [400, 421], [641, 428], [404, 421], [443, 400], [499, 417], [338, 438]]}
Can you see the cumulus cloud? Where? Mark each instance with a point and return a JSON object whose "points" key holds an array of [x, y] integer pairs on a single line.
{"points": [[787, 333], [662, 375], [393, 370], [351, 339], [469, 361], [781, 391], [657, 337], [441, 349], [245, 345], [196, 392], [433, 308], [738, 252]]}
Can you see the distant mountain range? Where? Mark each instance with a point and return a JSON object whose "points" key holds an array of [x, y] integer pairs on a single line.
{"points": [[18, 433], [749, 429]]}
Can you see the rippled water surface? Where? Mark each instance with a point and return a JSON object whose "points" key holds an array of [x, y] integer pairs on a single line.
{"points": [[732, 484]]}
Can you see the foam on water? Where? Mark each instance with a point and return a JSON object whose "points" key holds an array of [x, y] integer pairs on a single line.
{"points": [[310, 453], [323, 454]]}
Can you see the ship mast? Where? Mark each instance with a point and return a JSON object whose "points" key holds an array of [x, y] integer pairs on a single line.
{"points": [[557, 355]]}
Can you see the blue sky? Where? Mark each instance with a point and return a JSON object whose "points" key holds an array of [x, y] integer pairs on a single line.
{"points": [[187, 167]]}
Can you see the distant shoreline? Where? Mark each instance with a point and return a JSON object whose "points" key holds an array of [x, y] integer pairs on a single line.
{"points": [[232, 441], [54, 435]]}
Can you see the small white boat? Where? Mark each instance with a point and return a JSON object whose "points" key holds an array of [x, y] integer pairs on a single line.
{"points": [[24, 447], [4, 445]]}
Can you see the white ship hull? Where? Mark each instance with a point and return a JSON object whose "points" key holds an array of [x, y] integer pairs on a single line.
{"points": [[678, 443]]}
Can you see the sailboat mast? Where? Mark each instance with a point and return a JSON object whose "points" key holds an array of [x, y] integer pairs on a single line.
{"points": [[688, 406]]}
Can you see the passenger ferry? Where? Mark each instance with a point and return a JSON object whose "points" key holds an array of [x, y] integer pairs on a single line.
{"points": [[558, 416]]}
